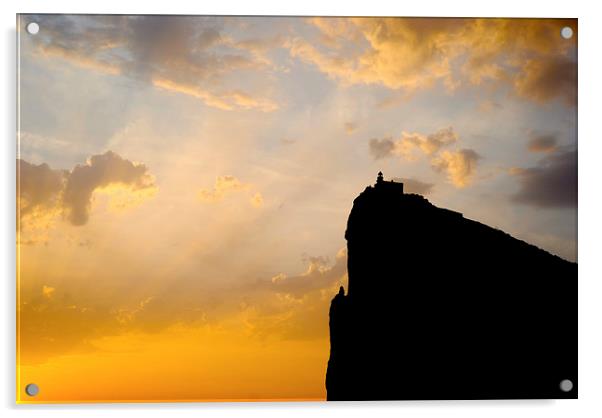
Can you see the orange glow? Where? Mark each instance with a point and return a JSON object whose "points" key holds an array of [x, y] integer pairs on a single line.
{"points": [[182, 365]]}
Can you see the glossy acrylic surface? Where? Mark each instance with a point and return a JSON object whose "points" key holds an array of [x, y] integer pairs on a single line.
{"points": [[185, 185]]}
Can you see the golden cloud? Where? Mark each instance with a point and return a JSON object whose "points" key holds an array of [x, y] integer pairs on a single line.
{"points": [[291, 306], [67, 324], [223, 185], [81, 60], [415, 53], [227, 184], [460, 166], [225, 100], [405, 146], [428, 144], [257, 200]]}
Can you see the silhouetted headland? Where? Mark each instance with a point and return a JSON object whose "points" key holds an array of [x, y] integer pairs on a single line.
{"points": [[442, 307]]}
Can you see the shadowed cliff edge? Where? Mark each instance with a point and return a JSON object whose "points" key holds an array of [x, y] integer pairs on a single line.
{"points": [[443, 307]]}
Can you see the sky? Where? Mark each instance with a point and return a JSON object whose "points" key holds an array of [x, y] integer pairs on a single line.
{"points": [[184, 182]]}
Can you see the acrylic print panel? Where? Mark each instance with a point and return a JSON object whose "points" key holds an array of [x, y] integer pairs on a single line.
{"points": [[201, 215]]}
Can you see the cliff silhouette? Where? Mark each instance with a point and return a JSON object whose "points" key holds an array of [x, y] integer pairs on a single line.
{"points": [[442, 307]]}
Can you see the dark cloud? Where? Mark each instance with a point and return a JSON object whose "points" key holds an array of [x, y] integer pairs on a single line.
{"points": [[381, 148], [542, 143], [100, 171], [38, 186], [70, 192], [550, 184], [415, 186], [547, 78], [183, 54]]}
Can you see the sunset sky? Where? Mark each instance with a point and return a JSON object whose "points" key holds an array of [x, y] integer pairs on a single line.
{"points": [[185, 182]]}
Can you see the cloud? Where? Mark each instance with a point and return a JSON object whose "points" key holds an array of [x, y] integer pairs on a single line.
{"points": [[38, 186], [381, 148], [552, 183], [128, 315], [45, 193], [257, 200], [77, 318], [68, 324], [198, 56], [227, 184], [414, 186], [404, 146], [395, 55], [334, 31], [223, 185], [259, 48], [183, 54], [543, 143], [460, 166], [101, 171], [228, 100], [259, 45], [416, 53], [547, 78], [319, 274], [75, 57], [296, 307], [428, 144]]}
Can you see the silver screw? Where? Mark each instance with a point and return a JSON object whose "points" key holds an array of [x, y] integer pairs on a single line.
{"points": [[32, 389], [566, 32], [566, 385]]}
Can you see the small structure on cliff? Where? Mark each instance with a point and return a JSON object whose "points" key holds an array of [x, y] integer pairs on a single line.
{"points": [[393, 186]]}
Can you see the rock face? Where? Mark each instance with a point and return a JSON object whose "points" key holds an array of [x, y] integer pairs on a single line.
{"points": [[443, 307]]}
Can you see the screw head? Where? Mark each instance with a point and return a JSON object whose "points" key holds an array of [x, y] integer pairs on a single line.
{"points": [[566, 385], [566, 32], [33, 28], [32, 389]]}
